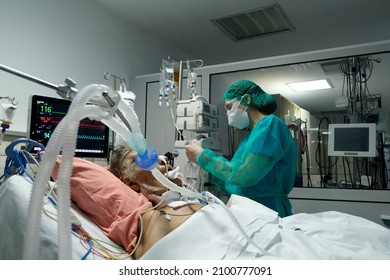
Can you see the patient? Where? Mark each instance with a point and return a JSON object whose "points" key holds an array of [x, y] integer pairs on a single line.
{"points": [[163, 219], [125, 201]]}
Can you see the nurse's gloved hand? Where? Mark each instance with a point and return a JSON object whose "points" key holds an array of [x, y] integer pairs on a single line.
{"points": [[192, 151]]}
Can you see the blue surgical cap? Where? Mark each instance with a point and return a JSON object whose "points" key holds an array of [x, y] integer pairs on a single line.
{"points": [[250, 94]]}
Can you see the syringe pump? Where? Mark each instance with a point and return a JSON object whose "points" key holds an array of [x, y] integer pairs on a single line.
{"points": [[187, 108], [197, 115]]}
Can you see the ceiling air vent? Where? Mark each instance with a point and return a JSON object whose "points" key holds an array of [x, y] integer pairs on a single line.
{"points": [[332, 66], [254, 23]]}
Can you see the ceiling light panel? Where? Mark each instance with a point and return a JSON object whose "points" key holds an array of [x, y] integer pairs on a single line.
{"points": [[311, 85], [254, 23]]}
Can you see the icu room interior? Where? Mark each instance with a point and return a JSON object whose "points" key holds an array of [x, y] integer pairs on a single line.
{"points": [[79, 77]]}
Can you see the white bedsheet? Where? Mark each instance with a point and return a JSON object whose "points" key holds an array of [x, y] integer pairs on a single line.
{"points": [[14, 200], [210, 234]]}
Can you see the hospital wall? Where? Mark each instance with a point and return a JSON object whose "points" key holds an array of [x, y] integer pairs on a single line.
{"points": [[370, 204], [55, 39]]}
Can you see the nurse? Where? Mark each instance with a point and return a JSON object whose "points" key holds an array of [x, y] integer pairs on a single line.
{"points": [[264, 166]]}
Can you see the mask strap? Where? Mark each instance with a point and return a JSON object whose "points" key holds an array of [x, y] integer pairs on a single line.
{"points": [[238, 101], [247, 98]]}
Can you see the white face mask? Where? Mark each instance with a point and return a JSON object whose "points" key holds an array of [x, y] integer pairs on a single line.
{"points": [[238, 117]]}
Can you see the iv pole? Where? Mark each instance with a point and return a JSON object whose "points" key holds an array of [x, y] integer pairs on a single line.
{"points": [[67, 91]]}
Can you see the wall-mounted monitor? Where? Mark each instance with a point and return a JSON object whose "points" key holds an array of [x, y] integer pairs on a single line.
{"points": [[352, 140], [45, 113]]}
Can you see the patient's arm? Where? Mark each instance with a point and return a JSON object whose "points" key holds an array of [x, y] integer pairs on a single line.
{"points": [[157, 225]]}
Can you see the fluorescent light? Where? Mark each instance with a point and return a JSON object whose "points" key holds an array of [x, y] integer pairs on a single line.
{"points": [[310, 85]]}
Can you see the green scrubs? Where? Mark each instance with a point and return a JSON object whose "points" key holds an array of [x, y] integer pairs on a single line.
{"points": [[263, 167]]}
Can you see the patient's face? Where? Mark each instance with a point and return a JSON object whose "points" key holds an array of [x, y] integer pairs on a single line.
{"points": [[135, 170], [140, 180], [138, 175]]}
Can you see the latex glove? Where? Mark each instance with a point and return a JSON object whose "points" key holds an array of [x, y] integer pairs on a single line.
{"points": [[192, 151]]}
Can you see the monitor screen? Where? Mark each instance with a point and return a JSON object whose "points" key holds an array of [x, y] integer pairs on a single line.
{"points": [[46, 113], [354, 140]]}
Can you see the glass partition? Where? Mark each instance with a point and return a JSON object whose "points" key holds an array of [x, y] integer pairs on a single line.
{"points": [[358, 92]]}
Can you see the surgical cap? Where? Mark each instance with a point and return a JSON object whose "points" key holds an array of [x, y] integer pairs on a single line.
{"points": [[252, 95]]}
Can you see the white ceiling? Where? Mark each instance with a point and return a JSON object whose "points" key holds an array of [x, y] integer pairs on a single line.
{"points": [[318, 25]]}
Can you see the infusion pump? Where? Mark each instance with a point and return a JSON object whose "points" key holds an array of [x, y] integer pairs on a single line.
{"points": [[186, 108], [197, 115]]}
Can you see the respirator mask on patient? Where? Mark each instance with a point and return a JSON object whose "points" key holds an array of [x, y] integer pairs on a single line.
{"points": [[238, 117]]}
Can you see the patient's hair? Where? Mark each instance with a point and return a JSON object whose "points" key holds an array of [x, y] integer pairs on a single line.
{"points": [[120, 165]]}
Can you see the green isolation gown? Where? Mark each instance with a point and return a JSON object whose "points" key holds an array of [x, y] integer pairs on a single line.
{"points": [[263, 167]]}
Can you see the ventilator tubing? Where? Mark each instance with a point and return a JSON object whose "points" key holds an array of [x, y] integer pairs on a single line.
{"points": [[137, 141], [173, 187], [64, 136]]}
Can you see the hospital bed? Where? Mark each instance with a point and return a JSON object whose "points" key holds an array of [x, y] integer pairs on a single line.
{"points": [[207, 234], [14, 201]]}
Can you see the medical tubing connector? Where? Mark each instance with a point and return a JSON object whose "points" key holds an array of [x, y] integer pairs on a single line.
{"points": [[64, 136], [147, 158], [173, 187]]}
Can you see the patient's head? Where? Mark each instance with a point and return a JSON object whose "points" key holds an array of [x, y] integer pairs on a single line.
{"points": [[122, 165]]}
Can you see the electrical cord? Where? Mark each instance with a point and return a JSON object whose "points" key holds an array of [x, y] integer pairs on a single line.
{"points": [[325, 170], [89, 250]]}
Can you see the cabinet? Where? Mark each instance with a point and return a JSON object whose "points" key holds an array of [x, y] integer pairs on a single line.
{"points": [[373, 205]]}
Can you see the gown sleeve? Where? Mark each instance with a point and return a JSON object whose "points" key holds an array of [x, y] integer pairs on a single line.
{"points": [[244, 173], [254, 158]]}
